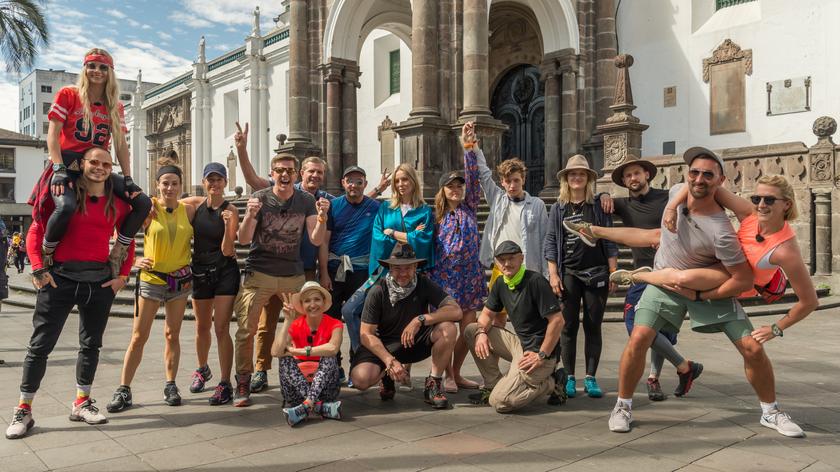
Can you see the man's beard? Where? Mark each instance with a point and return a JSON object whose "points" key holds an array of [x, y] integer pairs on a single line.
{"points": [[699, 192]]}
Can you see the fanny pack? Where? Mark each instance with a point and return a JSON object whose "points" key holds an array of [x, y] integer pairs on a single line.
{"points": [[83, 271], [177, 279], [594, 277], [775, 288]]}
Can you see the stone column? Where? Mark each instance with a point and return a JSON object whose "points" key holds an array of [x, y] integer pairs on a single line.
{"points": [[349, 131], [569, 105], [424, 58], [476, 47], [822, 232], [553, 127], [332, 77], [298, 73], [139, 153], [605, 52]]}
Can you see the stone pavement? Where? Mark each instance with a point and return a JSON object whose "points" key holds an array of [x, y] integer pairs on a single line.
{"points": [[715, 428]]}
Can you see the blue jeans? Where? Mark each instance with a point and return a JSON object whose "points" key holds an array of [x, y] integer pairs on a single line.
{"points": [[352, 314]]}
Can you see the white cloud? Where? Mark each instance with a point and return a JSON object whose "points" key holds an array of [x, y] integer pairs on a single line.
{"points": [[67, 13], [222, 47], [164, 35], [9, 104], [234, 12], [115, 13], [145, 27], [133, 23], [189, 19]]}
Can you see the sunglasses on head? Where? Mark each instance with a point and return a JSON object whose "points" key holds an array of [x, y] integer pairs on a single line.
{"points": [[769, 200], [284, 170], [707, 174], [94, 66], [97, 163]]}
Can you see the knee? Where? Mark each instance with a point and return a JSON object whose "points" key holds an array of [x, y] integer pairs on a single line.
{"points": [[138, 339], [329, 362], [171, 335], [641, 338], [141, 204], [470, 331], [447, 332], [65, 204], [360, 382], [752, 351], [500, 404], [221, 331]]}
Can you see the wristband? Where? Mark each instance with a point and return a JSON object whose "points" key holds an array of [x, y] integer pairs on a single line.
{"points": [[469, 146], [322, 219], [308, 350]]}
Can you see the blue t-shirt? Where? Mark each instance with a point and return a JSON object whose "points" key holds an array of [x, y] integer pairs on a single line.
{"points": [[351, 226], [308, 252]]}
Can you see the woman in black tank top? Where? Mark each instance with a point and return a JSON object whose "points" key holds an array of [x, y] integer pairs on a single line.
{"points": [[215, 280]]}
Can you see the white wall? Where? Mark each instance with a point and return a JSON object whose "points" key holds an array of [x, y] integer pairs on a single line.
{"points": [[29, 163], [670, 38]]}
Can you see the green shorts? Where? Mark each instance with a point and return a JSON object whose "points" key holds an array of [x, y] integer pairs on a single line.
{"points": [[662, 309]]}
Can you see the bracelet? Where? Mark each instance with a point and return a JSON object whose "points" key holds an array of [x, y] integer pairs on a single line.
{"points": [[38, 273], [469, 146], [322, 219], [377, 191], [308, 350]]}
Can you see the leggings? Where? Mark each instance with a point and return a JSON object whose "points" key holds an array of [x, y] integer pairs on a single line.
{"points": [[594, 303], [296, 389]]}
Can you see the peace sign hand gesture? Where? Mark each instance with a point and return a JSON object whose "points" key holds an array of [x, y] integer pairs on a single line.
{"points": [[241, 137], [288, 309]]}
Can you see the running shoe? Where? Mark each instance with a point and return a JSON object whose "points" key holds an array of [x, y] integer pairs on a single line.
{"points": [[259, 382], [330, 410], [591, 387], [120, 401], [778, 420], [199, 378], [21, 423], [654, 390], [482, 397], [387, 390], [433, 393], [242, 395], [171, 395], [295, 415], [621, 418], [624, 278], [687, 379], [222, 394], [88, 413], [571, 389], [583, 230]]}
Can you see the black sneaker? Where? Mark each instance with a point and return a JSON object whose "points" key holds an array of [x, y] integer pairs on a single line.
{"points": [[482, 397], [387, 390], [433, 393], [171, 395], [200, 378], [559, 396], [687, 379], [223, 394], [654, 390], [120, 401]]}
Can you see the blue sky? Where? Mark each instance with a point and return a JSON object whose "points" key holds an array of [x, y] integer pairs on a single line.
{"points": [[159, 37]]}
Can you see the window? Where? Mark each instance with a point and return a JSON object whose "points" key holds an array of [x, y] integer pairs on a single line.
{"points": [[7, 189], [394, 61], [729, 3], [45, 108], [47, 127], [7, 159], [46, 88], [26, 114], [125, 97]]}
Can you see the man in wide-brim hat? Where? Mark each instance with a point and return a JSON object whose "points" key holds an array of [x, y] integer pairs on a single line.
{"points": [[397, 330]]}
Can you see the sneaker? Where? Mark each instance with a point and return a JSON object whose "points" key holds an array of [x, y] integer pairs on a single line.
{"points": [[199, 378], [350, 383], [405, 385], [654, 390], [387, 389], [242, 395], [582, 230], [433, 393], [171, 395], [778, 420], [591, 387], [120, 401], [222, 394], [558, 396], [687, 379], [482, 397], [21, 423], [621, 418], [342, 376], [330, 410], [571, 389], [259, 382], [295, 415], [624, 278], [88, 413]]}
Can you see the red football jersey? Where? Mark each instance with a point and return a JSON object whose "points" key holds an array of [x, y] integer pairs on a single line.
{"points": [[67, 108]]}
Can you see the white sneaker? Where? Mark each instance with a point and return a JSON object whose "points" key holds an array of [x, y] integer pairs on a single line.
{"points": [[781, 422], [621, 418], [88, 413], [21, 423]]}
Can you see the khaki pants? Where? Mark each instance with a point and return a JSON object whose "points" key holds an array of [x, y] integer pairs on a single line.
{"points": [[267, 326], [257, 289], [515, 389]]}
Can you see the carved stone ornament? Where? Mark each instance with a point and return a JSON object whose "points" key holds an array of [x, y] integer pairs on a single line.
{"points": [[824, 127], [615, 149], [821, 167], [727, 52], [386, 124]]}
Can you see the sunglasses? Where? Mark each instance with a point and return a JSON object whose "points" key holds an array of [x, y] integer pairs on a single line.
{"points": [[311, 338], [768, 199], [94, 66], [707, 174], [284, 170], [356, 182], [98, 163]]}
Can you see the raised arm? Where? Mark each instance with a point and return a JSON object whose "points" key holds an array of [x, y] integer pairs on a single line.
{"points": [[472, 183], [251, 177], [739, 205], [485, 175]]}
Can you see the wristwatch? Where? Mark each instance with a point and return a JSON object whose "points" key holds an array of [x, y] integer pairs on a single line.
{"points": [[422, 320], [542, 355], [58, 167], [777, 331]]}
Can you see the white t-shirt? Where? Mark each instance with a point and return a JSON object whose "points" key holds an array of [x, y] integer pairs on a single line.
{"points": [[511, 228]]}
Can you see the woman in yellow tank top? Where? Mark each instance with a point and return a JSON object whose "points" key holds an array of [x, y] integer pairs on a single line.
{"points": [[165, 277]]}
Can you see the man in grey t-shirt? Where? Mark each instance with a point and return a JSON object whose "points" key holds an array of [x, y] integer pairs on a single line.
{"points": [[704, 238]]}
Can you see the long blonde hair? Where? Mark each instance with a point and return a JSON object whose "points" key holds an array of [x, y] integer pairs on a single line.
{"points": [[784, 186], [111, 99], [416, 199], [566, 193]]}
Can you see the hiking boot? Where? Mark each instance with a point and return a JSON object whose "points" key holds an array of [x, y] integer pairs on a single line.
{"points": [[387, 390], [222, 394], [242, 395], [88, 413], [21, 423], [171, 395], [119, 252], [482, 397], [591, 387], [558, 396], [654, 390], [120, 401], [295, 415], [571, 389], [776, 419], [624, 278], [199, 378], [259, 382], [687, 379], [583, 230], [620, 418], [433, 393], [329, 410]]}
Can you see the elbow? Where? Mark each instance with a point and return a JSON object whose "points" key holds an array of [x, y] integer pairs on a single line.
{"points": [[809, 304]]}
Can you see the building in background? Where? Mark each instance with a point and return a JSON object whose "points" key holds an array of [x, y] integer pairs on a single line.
{"points": [[22, 158]]}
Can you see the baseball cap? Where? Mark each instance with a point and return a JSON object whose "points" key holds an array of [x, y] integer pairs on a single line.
{"points": [[507, 247], [445, 179], [697, 151], [352, 169], [215, 168]]}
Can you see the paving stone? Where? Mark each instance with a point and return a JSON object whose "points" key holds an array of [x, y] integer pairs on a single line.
{"points": [[27, 462], [739, 459], [83, 452], [125, 464], [158, 440], [511, 458], [185, 456]]}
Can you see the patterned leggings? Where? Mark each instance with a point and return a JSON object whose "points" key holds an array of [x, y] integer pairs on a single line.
{"points": [[324, 387]]}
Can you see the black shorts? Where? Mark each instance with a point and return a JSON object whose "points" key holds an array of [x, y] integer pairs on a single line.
{"points": [[210, 282], [421, 350]]}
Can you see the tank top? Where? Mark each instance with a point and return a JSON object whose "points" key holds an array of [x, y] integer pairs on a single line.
{"points": [[167, 242], [756, 251], [208, 233]]}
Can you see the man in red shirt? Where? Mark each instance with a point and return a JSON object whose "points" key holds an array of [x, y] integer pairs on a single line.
{"points": [[80, 276]]}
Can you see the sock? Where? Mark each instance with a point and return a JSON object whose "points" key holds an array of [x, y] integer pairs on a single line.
{"points": [[26, 400], [50, 246], [626, 401], [170, 382], [768, 408], [124, 240], [82, 394]]}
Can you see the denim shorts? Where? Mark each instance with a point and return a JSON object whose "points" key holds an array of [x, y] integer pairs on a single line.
{"points": [[161, 293]]}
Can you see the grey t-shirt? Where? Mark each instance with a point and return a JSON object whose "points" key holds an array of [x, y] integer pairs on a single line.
{"points": [[700, 241], [275, 248]]}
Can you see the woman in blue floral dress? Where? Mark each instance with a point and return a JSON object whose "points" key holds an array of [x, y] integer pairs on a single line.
{"points": [[457, 268]]}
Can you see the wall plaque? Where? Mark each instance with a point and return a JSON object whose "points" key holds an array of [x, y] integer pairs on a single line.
{"points": [[727, 108], [670, 96], [789, 96]]}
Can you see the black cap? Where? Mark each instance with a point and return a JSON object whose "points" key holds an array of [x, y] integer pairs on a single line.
{"points": [[693, 153], [352, 169], [507, 247], [445, 179]]}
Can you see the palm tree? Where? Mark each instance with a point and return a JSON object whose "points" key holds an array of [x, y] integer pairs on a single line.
{"points": [[23, 29]]}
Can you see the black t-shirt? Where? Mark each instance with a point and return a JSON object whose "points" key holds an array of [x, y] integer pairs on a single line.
{"points": [[392, 320], [576, 254], [644, 212], [275, 248], [527, 306]]}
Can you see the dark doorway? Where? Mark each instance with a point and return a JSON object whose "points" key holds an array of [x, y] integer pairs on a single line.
{"points": [[519, 102]]}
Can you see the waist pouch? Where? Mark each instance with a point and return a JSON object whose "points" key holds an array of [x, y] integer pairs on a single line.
{"points": [[176, 280], [594, 277], [206, 268], [83, 271]]}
